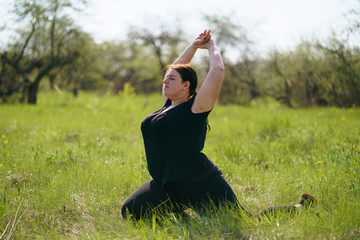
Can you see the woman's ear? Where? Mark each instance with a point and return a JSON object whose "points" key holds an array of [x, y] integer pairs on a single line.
{"points": [[186, 84]]}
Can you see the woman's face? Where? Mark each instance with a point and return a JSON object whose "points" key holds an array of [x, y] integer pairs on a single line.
{"points": [[173, 84]]}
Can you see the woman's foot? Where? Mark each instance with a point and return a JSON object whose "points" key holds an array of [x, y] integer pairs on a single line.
{"points": [[307, 200]]}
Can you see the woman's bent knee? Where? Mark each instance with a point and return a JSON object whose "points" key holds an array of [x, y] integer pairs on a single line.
{"points": [[129, 209]]}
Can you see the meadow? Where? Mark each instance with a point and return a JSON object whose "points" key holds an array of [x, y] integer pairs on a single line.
{"points": [[67, 164]]}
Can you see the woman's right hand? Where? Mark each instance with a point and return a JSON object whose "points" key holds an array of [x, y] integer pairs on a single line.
{"points": [[202, 39]]}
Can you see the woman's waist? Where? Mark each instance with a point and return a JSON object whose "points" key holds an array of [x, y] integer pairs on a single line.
{"points": [[212, 169]]}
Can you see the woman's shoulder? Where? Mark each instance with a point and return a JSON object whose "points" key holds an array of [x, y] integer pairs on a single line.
{"points": [[191, 103]]}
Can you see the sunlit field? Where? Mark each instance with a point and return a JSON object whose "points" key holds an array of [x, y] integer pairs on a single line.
{"points": [[67, 164]]}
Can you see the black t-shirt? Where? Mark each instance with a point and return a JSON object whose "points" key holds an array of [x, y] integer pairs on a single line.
{"points": [[173, 143]]}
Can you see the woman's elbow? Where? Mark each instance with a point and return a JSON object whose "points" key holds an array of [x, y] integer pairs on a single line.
{"points": [[219, 68], [222, 68]]}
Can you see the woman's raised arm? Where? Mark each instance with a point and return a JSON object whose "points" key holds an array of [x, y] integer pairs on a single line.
{"points": [[210, 89], [187, 55]]}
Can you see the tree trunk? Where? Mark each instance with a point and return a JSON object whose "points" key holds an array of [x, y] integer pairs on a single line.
{"points": [[158, 54], [3, 61], [32, 94], [34, 86], [287, 92], [254, 91], [75, 91], [52, 81]]}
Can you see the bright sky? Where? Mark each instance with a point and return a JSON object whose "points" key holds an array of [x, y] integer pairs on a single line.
{"points": [[275, 23], [279, 23]]}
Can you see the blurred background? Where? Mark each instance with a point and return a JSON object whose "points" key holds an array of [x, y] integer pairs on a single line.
{"points": [[299, 53]]}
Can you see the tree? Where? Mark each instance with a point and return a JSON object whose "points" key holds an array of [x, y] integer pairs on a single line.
{"points": [[86, 71], [164, 42], [130, 62], [240, 78], [300, 72], [343, 65], [354, 20], [274, 62], [41, 49], [227, 34]]}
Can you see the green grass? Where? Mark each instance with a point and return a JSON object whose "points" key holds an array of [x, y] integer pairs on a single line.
{"points": [[67, 165]]}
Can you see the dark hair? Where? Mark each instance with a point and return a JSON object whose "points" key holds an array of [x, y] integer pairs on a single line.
{"points": [[187, 73]]}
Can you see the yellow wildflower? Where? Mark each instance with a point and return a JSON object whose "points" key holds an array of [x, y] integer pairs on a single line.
{"points": [[351, 109], [3, 136], [6, 141], [315, 123], [342, 118], [1, 165], [319, 162]]}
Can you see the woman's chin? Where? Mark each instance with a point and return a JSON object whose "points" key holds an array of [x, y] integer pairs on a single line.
{"points": [[166, 94]]}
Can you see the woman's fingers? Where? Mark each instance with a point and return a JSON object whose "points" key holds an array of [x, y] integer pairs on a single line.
{"points": [[207, 37], [207, 34], [203, 38]]}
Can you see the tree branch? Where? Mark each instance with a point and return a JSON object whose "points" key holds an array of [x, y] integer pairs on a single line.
{"points": [[33, 29]]}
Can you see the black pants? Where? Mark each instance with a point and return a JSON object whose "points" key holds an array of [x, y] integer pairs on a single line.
{"points": [[198, 193]]}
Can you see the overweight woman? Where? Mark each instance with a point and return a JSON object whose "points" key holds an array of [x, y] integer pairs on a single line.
{"points": [[174, 136]]}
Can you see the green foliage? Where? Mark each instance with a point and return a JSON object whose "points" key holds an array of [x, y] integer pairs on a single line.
{"points": [[124, 62], [68, 164], [87, 70], [313, 74], [52, 47]]}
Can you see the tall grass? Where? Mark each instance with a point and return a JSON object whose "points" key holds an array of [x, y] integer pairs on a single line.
{"points": [[67, 165]]}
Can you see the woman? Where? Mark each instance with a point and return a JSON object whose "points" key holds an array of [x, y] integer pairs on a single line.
{"points": [[174, 137]]}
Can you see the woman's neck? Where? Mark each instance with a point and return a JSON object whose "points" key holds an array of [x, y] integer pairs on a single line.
{"points": [[180, 100]]}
